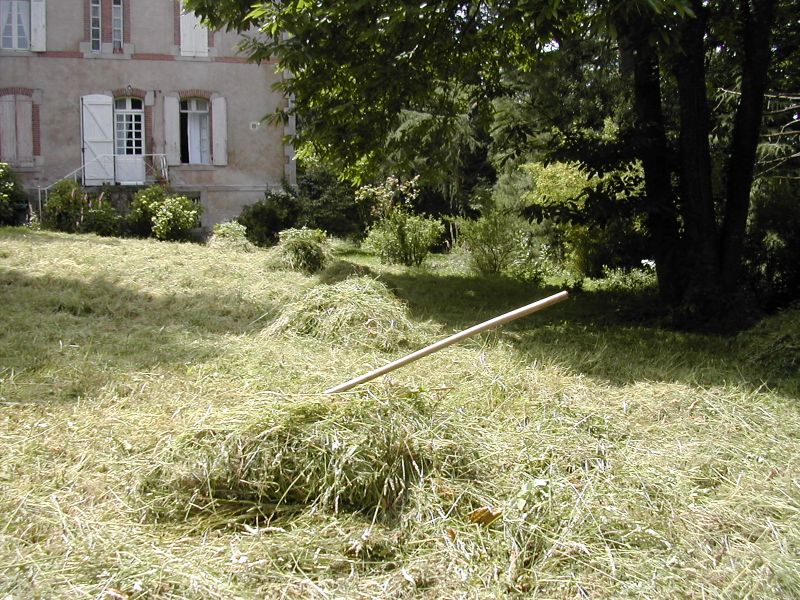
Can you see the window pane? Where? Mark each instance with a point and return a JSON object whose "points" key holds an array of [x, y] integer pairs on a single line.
{"points": [[136, 103], [16, 20]]}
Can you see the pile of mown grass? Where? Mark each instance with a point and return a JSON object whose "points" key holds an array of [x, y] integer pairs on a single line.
{"points": [[359, 311], [355, 454]]}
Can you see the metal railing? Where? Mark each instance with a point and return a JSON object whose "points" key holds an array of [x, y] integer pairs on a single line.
{"points": [[156, 170]]}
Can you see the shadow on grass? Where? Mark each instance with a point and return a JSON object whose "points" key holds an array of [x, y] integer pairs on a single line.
{"points": [[67, 330], [616, 337]]}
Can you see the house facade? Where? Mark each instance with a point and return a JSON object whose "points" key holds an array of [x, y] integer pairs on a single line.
{"points": [[127, 92]]}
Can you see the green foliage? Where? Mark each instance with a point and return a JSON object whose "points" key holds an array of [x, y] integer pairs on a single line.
{"points": [[278, 210], [63, 210], [398, 237], [492, 241], [175, 217], [772, 247], [391, 194], [166, 217], [403, 238], [304, 249], [144, 206], [13, 200], [585, 223], [629, 280], [592, 250], [72, 210], [326, 202], [100, 217]]}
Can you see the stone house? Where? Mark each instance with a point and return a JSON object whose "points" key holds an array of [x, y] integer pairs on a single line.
{"points": [[127, 92]]}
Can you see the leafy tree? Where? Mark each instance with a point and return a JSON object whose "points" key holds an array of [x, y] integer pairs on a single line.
{"points": [[358, 67]]}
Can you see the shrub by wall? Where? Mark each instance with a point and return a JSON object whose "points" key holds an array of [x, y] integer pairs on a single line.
{"points": [[13, 201], [175, 217]]}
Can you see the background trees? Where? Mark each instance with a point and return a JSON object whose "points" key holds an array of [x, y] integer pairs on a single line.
{"points": [[677, 87]]}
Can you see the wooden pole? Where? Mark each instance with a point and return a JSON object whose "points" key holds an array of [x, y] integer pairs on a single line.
{"points": [[485, 326]]}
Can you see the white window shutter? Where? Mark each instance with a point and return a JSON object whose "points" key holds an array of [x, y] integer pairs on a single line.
{"points": [[8, 129], [187, 32], [194, 35], [24, 117], [219, 130], [172, 130], [200, 39], [38, 25]]}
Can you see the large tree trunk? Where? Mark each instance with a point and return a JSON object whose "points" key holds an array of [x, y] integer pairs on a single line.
{"points": [[702, 277], [756, 20], [653, 150]]}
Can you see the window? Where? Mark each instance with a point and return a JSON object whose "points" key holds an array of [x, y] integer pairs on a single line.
{"points": [[95, 20], [15, 19], [194, 131], [128, 126], [116, 25]]}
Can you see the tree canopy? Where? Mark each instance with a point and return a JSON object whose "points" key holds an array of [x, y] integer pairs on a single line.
{"points": [[683, 81]]}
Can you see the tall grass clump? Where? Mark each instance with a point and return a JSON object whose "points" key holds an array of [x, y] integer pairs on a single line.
{"points": [[361, 455], [358, 311]]}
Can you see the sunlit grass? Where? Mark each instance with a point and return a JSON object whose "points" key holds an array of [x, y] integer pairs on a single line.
{"points": [[161, 437]]}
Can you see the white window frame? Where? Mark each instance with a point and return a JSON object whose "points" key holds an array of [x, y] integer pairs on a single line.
{"points": [[117, 25], [127, 121], [16, 15], [195, 131], [96, 25]]}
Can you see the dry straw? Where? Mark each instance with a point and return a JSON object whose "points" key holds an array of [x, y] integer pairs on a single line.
{"points": [[358, 311], [264, 458]]}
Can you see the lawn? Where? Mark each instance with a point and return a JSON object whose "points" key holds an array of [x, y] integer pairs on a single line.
{"points": [[163, 435]]}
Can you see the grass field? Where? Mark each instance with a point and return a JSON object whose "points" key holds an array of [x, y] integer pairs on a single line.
{"points": [[163, 435]]}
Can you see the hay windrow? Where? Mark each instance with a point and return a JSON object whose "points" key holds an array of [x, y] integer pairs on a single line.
{"points": [[360, 455], [358, 311]]}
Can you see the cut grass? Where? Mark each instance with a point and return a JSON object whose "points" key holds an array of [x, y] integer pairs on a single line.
{"points": [[159, 440], [357, 311]]}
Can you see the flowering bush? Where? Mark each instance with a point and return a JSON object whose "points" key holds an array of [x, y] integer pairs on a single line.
{"points": [[144, 206], [175, 217], [399, 236]]}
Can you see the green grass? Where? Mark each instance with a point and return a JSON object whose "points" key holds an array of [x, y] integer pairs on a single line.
{"points": [[163, 435]]}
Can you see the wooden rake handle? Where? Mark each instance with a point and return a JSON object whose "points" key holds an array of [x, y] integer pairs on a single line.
{"points": [[457, 337]]}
